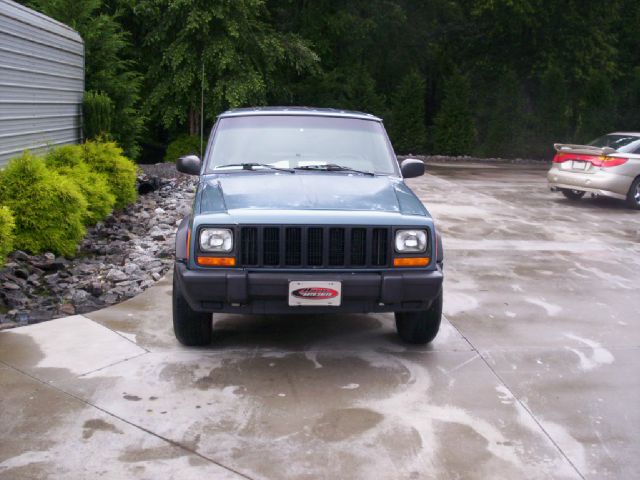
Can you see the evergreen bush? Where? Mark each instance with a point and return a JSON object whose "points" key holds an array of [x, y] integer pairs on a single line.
{"points": [[181, 146], [7, 225], [97, 110], [106, 158], [505, 118], [407, 127], [48, 208], [554, 113], [597, 109], [68, 161], [454, 128]]}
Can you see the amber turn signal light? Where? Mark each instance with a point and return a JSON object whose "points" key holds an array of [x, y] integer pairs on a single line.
{"points": [[216, 261], [411, 262]]}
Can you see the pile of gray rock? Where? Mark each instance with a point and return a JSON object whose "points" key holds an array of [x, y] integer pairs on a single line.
{"points": [[117, 259]]}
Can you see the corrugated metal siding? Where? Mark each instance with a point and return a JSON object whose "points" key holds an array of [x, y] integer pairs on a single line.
{"points": [[41, 81]]}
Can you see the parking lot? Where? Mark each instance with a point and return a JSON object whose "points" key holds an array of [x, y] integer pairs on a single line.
{"points": [[533, 375]]}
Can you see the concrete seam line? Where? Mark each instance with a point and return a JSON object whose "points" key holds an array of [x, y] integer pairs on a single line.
{"points": [[112, 364], [145, 430], [117, 333], [533, 417]]}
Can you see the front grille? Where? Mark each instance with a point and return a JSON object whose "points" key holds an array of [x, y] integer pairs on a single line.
{"points": [[314, 247]]}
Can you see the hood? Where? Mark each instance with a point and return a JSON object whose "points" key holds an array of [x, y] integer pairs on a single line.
{"points": [[307, 191]]}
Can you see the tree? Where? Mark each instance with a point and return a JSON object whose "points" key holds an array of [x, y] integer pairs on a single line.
{"points": [[407, 129], [107, 68], [554, 107], [454, 127], [629, 116], [240, 51], [597, 108], [505, 117]]}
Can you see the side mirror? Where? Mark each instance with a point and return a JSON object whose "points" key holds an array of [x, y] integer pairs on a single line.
{"points": [[411, 168], [189, 164]]}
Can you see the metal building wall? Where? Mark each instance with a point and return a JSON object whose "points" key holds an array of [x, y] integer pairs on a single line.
{"points": [[41, 82]]}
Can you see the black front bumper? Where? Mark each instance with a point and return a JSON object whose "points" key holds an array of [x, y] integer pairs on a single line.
{"points": [[242, 291]]}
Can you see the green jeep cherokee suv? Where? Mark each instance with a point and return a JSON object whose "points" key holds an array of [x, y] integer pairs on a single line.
{"points": [[304, 211]]}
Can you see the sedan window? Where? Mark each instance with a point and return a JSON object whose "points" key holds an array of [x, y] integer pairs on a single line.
{"points": [[621, 143]]}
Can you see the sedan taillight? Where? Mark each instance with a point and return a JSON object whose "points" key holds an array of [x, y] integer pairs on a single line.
{"points": [[612, 161]]}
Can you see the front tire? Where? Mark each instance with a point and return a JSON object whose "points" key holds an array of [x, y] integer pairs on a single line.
{"points": [[192, 329], [573, 194], [420, 327], [633, 197]]}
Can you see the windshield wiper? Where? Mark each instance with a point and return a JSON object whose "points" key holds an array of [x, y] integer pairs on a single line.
{"points": [[252, 165], [332, 167]]}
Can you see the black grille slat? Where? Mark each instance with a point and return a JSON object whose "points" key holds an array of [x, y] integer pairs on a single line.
{"points": [[271, 246], [249, 246], [379, 247], [314, 247], [293, 246], [336, 247], [358, 246]]}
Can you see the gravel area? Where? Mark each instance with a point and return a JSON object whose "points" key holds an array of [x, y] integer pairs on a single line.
{"points": [[117, 259]]}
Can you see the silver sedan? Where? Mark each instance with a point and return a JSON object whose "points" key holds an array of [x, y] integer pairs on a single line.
{"points": [[608, 166]]}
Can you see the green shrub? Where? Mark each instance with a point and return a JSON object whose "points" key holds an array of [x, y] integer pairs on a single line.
{"points": [[68, 161], [454, 128], [97, 110], [48, 208], [407, 128], [7, 225], [120, 172], [181, 146]]}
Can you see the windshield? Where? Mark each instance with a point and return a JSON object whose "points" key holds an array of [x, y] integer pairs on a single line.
{"points": [[300, 141], [622, 143]]}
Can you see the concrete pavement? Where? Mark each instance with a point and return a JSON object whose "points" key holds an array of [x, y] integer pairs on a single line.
{"points": [[534, 374]]}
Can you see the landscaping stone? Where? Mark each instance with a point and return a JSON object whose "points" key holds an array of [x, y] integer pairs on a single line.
{"points": [[118, 258]]}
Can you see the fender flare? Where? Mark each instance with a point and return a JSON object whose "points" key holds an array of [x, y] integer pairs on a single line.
{"points": [[439, 249], [181, 239]]}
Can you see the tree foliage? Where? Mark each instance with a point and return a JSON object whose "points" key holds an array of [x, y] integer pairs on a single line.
{"points": [[407, 114], [108, 69], [538, 71], [227, 49], [454, 128]]}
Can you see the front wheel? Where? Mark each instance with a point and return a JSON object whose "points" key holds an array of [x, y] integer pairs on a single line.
{"points": [[573, 194], [420, 327], [190, 327], [633, 197]]}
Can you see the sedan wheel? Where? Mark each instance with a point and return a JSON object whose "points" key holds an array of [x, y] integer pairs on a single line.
{"points": [[633, 197]]}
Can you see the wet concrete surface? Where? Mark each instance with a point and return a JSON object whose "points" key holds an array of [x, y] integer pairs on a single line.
{"points": [[534, 374]]}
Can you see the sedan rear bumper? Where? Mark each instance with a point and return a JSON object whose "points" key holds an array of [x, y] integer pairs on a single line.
{"points": [[241, 291], [602, 182]]}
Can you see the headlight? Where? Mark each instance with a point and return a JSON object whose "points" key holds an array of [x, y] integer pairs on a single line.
{"points": [[216, 240], [411, 241]]}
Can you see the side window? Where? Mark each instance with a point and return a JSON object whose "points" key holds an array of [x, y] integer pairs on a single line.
{"points": [[637, 150]]}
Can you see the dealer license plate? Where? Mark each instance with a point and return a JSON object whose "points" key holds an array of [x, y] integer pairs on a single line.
{"points": [[579, 165], [311, 293]]}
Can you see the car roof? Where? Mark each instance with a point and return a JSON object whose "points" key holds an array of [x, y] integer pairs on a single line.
{"points": [[310, 111], [632, 134]]}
